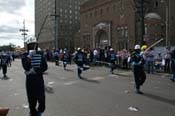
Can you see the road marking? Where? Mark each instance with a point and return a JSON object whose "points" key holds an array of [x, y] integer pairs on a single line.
{"points": [[97, 78], [70, 82], [51, 83], [115, 76]]}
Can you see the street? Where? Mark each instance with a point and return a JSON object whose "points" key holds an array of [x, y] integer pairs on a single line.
{"points": [[99, 94]]}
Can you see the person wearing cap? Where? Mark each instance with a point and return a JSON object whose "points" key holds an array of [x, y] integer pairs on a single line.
{"points": [[79, 59], [150, 57], [65, 58], [34, 65], [112, 58], [138, 62], [143, 48], [56, 57]]}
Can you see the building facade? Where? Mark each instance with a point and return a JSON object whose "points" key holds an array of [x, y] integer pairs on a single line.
{"points": [[56, 22], [117, 23]]}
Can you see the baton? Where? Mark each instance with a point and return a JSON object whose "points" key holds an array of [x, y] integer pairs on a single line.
{"points": [[154, 44]]}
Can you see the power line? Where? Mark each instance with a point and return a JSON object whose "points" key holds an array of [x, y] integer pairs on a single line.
{"points": [[24, 30]]}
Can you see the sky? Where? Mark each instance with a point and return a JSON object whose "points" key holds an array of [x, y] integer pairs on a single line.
{"points": [[12, 15]]}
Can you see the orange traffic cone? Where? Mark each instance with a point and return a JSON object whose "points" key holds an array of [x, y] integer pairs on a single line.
{"points": [[4, 111]]}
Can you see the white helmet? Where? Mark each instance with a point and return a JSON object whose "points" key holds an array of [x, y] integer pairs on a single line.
{"points": [[79, 49], [137, 47], [111, 49], [39, 49]]}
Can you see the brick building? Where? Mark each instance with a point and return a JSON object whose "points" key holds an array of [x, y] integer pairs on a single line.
{"points": [[117, 23]]}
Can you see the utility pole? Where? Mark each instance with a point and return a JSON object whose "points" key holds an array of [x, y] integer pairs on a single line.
{"points": [[42, 26], [24, 30], [168, 3], [167, 20], [142, 16], [56, 26], [140, 6]]}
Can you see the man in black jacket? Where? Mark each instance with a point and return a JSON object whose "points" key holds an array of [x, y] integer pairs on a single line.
{"points": [[35, 65], [112, 60], [80, 60], [138, 62]]}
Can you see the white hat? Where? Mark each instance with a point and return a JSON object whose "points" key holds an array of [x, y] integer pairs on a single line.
{"points": [[137, 47], [111, 49], [79, 49], [39, 49]]}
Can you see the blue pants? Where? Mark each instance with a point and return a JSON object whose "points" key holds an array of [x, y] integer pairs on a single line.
{"points": [[150, 66]]}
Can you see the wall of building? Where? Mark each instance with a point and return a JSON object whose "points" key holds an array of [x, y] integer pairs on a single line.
{"points": [[68, 22], [117, 13], [124, 18]]}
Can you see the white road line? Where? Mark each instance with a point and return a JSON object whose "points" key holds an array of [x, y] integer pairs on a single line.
{"points": [[97, 78], [70, 82]]}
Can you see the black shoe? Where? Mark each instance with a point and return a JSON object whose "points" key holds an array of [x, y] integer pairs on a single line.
{"points": [[5, 77], [173, 80], [79, 76]]}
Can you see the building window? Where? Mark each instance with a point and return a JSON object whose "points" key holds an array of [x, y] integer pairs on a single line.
{"points": [[121, 5], [101, 12], [126, 33], [95, 14], [90, 14], [122, 32], [156, 4], [61, 21], [107, 9], [114, 8], [146, 29]]}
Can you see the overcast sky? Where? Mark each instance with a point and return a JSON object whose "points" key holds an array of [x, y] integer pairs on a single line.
{"points": [[12, 14]]}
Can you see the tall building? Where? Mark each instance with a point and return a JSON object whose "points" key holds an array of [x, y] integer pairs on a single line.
{"points": [[56, 22], [118, 23]]}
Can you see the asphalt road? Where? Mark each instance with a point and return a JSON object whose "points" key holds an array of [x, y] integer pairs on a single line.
{"points": [[99, 94]]}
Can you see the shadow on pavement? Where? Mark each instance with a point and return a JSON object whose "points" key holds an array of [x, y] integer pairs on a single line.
{"points": [[49, 90], [159, 98], [124, 75], [5, 78], [69, 70], [90, 80]]}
